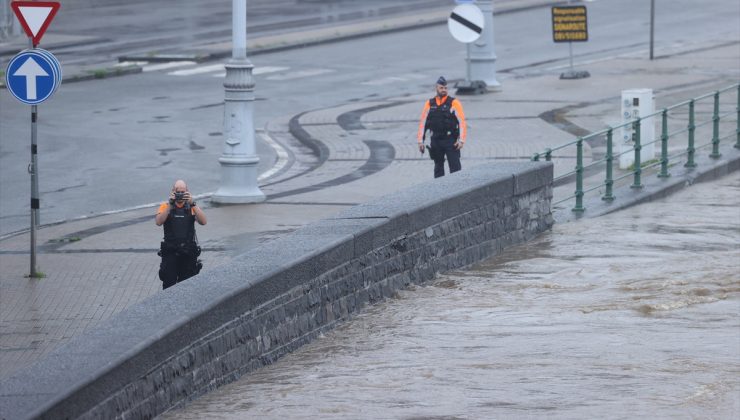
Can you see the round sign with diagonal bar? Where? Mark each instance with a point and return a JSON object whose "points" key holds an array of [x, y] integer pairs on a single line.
{"points": [[466, 23]]}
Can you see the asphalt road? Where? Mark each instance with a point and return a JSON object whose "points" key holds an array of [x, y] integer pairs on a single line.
{"points": [[116, 27], [119, 143]]}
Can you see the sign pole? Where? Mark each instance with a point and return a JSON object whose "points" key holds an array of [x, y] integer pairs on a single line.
{"points": [[570, 24], [570, 49], [466, 24], [33, 169], [32, 77], [468, 78], [652, 26], [483, 51]]}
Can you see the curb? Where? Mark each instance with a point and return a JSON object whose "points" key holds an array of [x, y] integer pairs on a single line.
{"points": [[305, 38], [13, 49], [302, 39], [165, 58], [93, 74], [103, 73]]}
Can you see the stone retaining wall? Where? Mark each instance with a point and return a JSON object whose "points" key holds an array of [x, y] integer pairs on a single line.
{"points": [[225, 322]]}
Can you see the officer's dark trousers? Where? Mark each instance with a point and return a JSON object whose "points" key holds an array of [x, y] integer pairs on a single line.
{"points": [[440, 149], [176, 267]]}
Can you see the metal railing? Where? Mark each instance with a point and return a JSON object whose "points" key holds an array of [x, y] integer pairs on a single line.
{"points": [[638, 167]]}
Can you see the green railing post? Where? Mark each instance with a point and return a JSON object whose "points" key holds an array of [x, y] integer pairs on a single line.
{"points": [[737, 129], [664, 146], [579, 177], [715, 129], [638, 163], [548, 155], [609, 182], [536, 157], [690, 160]]}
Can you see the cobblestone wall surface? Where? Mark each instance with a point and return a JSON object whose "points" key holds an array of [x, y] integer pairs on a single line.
{"points": [[224, 323]]}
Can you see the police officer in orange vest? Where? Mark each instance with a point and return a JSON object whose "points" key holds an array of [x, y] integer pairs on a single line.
{"points": [[443, 115], [179, 249]]}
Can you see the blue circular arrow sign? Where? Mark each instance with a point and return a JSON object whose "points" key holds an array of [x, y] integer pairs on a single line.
{"points": [[33, 76]]}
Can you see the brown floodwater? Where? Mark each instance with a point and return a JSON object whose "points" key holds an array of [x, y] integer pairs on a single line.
{"points": [[631, 315]]}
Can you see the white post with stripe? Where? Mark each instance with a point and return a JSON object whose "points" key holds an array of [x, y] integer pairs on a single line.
{"points": [[474, 26], [482, 52]]}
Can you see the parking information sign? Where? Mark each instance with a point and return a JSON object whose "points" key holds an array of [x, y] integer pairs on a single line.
{"points": [[569, 24], [33, 76]]}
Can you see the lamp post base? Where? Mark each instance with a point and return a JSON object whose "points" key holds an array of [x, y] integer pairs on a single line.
{"points": [[237, 181], [475, 87], [237, 196]]}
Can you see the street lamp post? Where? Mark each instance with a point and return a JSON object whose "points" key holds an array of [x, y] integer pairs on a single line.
{"points": [[239, 159]]}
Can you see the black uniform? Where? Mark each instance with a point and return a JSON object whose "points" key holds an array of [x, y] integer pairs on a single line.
{"points": [[179, 250], [445, 129]]}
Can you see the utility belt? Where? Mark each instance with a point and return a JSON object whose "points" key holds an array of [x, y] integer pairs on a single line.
{"points": [[183, 248], [444, 139], [445, 133]]}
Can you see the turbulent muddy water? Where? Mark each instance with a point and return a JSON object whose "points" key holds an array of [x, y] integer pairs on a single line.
{"points": [[631, 315]]}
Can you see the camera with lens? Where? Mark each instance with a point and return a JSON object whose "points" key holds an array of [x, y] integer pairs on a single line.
{"points": [[179, 196]]}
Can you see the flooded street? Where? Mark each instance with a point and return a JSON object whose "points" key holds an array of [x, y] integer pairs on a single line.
{"points": [[634, 314]]}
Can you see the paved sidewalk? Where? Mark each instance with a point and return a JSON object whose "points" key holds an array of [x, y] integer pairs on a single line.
{"points": [[96, 267]]}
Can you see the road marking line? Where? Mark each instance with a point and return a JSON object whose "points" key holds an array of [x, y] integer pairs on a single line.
{"points": [[672, 48], [130, 63], [268, 69], [301, 73], [258, 71], [392, 79], [168, 65], [282, 155], [198, 70], [598, 60]]}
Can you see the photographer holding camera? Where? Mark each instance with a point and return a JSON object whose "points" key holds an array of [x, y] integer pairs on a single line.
{"points": [[179, 249]]}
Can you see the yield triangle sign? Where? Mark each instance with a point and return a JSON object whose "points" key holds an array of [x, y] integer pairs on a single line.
{"points": [[35, 16]]}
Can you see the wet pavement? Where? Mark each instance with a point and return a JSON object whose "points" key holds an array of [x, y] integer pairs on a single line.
{"points": [[99, 264], [631, 315]]}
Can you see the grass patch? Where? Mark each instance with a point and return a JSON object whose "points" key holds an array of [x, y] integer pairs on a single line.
{"points": [[65, 240], [643, 164], [39, 275]]}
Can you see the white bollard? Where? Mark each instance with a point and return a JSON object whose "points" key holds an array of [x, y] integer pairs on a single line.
{"points": [[482, 59], [636, 103]]}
